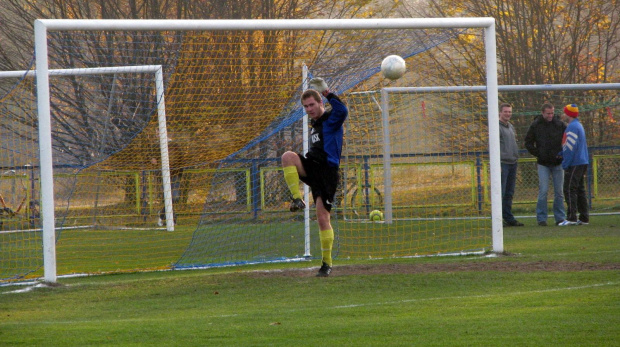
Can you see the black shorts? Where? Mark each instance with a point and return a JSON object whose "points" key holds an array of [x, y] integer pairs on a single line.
{"points": [[322, 180]]}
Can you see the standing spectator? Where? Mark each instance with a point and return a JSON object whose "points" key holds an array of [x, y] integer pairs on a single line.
{"points": [[544, 141], [575, 164], [509, 154]]}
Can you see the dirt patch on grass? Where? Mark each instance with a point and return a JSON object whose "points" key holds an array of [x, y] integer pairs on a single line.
{"points": [[503, 266]]}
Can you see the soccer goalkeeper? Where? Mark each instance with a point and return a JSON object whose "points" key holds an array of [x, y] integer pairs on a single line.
{"points": [[319, 168]]}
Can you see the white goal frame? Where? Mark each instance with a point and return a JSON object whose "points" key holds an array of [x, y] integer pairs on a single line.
{"points": [[45, 151], [42, 26]]}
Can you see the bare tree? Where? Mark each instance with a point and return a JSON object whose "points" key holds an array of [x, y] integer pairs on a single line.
{"points": [[86, 132], [539, 42]]}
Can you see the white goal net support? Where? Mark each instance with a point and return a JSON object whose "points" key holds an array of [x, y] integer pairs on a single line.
{"points": [[232, 108], [20, 230]]}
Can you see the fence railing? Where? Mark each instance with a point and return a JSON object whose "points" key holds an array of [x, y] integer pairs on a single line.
{"points": [[263, 190]]}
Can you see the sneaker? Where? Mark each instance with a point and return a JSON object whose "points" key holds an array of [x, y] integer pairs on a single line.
{"points": [[566, 222], [542, 223], [297, 205], [514, 223], [324, 271], [162, 222], [579, 222]]}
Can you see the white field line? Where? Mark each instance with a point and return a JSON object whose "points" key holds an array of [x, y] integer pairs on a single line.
{"points": [[590, 252]]}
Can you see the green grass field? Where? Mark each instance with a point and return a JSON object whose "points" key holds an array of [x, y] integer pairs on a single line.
{"points": [[555, 286]]}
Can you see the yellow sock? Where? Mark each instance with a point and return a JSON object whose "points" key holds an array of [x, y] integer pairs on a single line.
{"points": [[327, 241], [292, 180]]}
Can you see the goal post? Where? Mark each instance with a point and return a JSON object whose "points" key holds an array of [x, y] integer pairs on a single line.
{"points": [[46, 159], [222, 178]]}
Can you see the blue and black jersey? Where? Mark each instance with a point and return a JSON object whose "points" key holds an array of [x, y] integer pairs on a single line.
{"points": [[327, 133]]}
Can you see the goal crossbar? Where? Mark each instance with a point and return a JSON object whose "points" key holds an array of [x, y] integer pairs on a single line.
{"points": [[264, 24], [505, 88], [85, 71]]}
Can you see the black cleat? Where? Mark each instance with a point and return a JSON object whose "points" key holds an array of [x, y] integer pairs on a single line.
{"points": [[297, 205], [324, 271]]}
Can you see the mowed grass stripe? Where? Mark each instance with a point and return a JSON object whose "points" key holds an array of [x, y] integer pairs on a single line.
{"points": [[337, 307]]}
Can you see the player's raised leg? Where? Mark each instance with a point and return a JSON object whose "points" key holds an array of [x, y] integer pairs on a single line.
{"points": [[292, 167]]}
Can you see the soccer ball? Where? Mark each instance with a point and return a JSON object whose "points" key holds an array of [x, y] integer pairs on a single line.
{"points": [[376, 216], [393, 67]]}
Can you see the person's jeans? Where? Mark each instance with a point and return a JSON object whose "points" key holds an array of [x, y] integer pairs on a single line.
{"points": [[509, 180], [557, 177]]}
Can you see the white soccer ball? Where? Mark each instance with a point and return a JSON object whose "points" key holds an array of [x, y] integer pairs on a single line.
{"points": [[393, 67]]}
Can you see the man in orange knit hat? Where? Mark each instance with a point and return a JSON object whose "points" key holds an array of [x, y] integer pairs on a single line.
{"points": [[575, 160]]}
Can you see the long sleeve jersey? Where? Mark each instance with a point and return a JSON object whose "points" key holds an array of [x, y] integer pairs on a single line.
{"points": [[574, 146], [327, 133]]}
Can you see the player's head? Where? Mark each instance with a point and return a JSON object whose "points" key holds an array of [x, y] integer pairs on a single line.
{"points": [[547, 111], [313, 103], [505, 112]]}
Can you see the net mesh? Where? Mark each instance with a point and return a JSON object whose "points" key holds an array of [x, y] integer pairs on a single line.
{"points": [[20, 248], [232, 109]]}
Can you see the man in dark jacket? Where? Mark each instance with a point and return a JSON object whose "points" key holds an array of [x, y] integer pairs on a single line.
{"points": [[544, 141]]}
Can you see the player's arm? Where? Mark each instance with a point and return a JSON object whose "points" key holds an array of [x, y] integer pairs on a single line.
{"points": [[339, 109], [568, 148]]}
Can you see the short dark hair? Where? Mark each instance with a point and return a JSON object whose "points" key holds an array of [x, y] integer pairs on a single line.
{"points": [[547, 105], [311, 93], [501, 107]]}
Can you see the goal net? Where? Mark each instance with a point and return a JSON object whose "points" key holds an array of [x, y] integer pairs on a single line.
{"points": [[75, 93], [232, 108], [436, 177]]}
